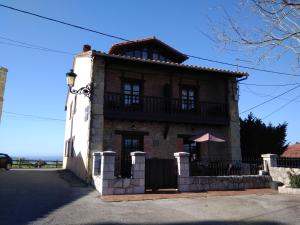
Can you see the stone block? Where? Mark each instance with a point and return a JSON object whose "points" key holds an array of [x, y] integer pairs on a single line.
{"points": [[107, 175], [138, 174], [183, 188], [118, 183], [138, 190], [119, 191], [126, 182], [107, 191]]}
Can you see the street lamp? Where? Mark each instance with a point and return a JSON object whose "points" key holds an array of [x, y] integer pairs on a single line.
{"points": [[71, 76]]}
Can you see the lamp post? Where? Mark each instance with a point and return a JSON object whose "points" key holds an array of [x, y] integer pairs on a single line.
{"points": [[86, 91]]}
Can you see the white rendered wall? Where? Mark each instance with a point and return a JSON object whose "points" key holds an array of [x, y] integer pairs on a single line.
{"points": [[78, 127]]}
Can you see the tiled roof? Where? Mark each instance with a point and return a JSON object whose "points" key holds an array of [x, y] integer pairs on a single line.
{"points": [[172, 64], [293, 151], [114, 47]]}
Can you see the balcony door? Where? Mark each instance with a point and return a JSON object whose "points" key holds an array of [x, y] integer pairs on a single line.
{"points": [[132, 95], [188, 98]]}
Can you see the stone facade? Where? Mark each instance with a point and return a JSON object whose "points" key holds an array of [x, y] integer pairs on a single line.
{"points": [[104, 174], [188, 183], [3, 74], [155, 144], [92, 128]]}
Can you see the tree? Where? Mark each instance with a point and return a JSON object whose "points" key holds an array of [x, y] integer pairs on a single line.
{"points": [[258, 138], [277, 27]]}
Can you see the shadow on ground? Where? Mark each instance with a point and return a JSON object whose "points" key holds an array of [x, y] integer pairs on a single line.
{"points": [[31, 194], [204, 223]]}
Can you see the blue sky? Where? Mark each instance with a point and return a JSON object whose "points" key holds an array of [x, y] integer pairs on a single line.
{"points": [[36, 79]]}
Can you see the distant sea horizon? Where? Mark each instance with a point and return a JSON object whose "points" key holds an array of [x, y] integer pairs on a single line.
{"points": [[49, 158]]}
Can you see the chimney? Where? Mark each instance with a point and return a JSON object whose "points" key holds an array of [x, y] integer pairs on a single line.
{"points": [[86, 48]]}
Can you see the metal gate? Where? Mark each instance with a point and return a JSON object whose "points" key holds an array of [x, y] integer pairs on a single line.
{"points": [[160, 174]]}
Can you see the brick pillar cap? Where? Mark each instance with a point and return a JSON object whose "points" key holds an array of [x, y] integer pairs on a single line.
{"points": [[181, 154], [268, 155], [108, 153], [96, 153], [138, 153]]}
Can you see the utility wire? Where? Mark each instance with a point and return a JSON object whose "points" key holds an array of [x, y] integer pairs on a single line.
{"points": [[281, 107], [31, 46], [271, 99], [33, 116], [124, 39], [269, 85], [62, 22]]}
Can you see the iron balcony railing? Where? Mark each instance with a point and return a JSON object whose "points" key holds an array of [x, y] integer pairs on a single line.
{"points": [[168, 107]]}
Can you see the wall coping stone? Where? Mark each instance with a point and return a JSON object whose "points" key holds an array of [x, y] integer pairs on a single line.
{"points": [[97, 153], [108, 153], [138, 153], [268, 155], [181, 154]]}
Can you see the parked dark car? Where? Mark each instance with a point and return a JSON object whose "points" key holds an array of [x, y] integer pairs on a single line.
{"points": [[5, 161]]}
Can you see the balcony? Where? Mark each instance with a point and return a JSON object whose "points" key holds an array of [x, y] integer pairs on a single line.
{"points": [[149, 108]]}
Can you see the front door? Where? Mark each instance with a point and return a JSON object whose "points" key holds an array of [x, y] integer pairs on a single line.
{"points": [[131, 143]]}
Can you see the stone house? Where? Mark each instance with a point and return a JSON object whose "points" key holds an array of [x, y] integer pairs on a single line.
{"points": [[3, 74], [143, 98]]}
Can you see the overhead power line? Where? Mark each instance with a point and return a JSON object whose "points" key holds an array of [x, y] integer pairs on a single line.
{"points": [[31, 46], [30, 116], [282, 107], [271, 99], [64, 23], [269, 85], [124, 39]]}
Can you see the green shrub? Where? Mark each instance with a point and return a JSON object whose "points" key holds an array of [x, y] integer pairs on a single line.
{"points": [[294, 180]]}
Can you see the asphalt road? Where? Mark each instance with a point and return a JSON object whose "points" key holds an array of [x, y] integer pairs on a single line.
{"points": [[55, 197]]}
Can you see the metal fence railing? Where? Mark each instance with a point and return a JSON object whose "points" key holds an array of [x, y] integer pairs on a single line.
{"points": [[226, 167], [288, 162], [36, 163]]}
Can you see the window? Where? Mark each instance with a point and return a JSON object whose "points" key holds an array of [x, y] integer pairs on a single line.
{"points": [[145, 54], [130, 53], [137, 54], [192, 148], [155, 56], [131, 143], [188, 99], [132, 92]]}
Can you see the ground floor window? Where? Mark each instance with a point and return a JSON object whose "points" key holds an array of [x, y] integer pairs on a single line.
{"points": [[192, 148], [131, 143]]}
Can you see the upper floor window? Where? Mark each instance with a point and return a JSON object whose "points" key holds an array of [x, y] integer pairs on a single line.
{"points": [[155, 56], [145, 54], [132, 92], [188, 98]]}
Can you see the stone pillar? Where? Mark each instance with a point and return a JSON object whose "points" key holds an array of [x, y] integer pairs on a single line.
{"points": [[234, 121], [269, 160], [107, 172], [138, 171], [96, 163], [183, 166]]}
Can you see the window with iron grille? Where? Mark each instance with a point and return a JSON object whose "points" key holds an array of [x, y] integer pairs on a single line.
{"points": [[131, 143], [192, 148]]}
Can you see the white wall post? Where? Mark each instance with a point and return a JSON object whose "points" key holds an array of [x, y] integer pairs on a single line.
{"points": [[138, 171], [183, 165], [269, 160]]}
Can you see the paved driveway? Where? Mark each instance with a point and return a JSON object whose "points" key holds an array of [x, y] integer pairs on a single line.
{"points": [[55, 197]]}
